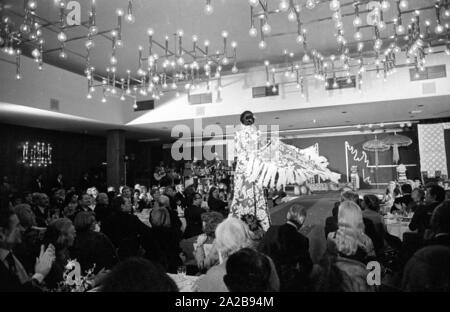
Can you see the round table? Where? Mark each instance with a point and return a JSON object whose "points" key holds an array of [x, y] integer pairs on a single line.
{"points": [[397, 227]]}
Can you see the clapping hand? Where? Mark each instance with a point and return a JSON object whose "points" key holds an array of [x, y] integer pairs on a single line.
{"points": [[45, 260]]}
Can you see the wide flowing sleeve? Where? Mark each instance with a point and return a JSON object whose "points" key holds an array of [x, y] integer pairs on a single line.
{"points": [[278, 164]]}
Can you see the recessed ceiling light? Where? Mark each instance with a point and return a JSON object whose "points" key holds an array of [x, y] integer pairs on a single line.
{"points": [[290, 126], [314, 121], [344, 112], [420, 105], [277, 118], [218, 123], [347, 121]]}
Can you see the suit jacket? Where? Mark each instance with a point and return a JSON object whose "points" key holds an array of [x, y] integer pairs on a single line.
{"points": [[421, 218], [38, 187], [442, 239], [193, 221], [10, 282], [289, 250]]}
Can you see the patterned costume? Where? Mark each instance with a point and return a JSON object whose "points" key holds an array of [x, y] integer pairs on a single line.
{"points": [[273, 163]]}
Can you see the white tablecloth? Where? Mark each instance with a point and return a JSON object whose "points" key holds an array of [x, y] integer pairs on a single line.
{"points": [[397, 227], [186, 283]]}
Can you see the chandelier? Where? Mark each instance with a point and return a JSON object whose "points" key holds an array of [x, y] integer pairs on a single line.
{"points": [[179, 69], [38, 155], [415, 37]]}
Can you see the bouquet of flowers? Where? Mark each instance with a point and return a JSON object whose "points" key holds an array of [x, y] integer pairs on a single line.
{"points": [[73, 280]]}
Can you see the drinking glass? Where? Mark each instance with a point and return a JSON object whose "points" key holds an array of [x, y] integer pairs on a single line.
{"points": [[181, 270]]}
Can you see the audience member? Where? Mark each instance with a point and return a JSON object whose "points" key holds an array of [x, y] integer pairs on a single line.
{"points": [[434, 195], [289, 250], [205, 249], [193, 217], [247, 271], [138, 275], [91, 247], [215, 204], [13, 276], [231, 236]]}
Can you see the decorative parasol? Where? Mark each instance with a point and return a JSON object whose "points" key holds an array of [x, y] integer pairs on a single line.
{"points": [[396, 141], [376, 146]]}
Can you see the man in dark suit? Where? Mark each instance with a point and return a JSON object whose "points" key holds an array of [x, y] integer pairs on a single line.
{"points": [[289, 250], [194, 225], [434, 196], [404, 202], [13, 276]]}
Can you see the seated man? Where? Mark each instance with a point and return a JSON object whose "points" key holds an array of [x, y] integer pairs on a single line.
{"points": [[434, 196], [13, 276], [289, 250]]}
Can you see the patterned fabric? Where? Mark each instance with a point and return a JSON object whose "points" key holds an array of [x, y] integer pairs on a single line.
{"points": [[272, 163], [432, 148]]}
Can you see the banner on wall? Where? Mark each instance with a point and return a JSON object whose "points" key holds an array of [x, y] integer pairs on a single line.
{"points": [[433, 158]]}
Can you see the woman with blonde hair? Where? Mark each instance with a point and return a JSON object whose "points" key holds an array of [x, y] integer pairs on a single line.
{"points": [[343, 267], [232, 235]]}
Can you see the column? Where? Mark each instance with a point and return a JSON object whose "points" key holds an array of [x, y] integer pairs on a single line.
{"points": [[115, 152]]}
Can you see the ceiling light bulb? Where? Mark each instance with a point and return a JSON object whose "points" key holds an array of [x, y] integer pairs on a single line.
{"points": [[262, 45], [274, 89], [253, 32], [130, 19], [335, 5], [439, 29], [89, 96], [266, 63], [300, 39], [18, 77], [382, 25], [234, 69], [283, 6], [225, 61], [24, 28], [357, 21], [93, 30], [113, 60], [447, 13], [103, 100], [357, 36], [36, 53], [292, 17], [310, 4], [119, 12], [32, 4], [62, 55], [266, 29], [209, 9], [385, 5], [89, 44], [401, 29], [306, 58], [404, 4], [225, 34], [62, 37], [253, 3], [447, 50], [180, 61]]}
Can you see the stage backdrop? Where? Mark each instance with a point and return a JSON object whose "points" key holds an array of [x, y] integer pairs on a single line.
{"points": [[345, 151], [434, 148]]}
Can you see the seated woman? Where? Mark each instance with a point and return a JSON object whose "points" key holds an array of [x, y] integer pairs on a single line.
{"points": [[91, 247], [343, 266], [205, 251], [61, 234], [371, 212], [231, 236]]}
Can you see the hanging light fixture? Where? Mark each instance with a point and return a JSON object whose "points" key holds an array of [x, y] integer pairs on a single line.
{"points": [[208, 8]]}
